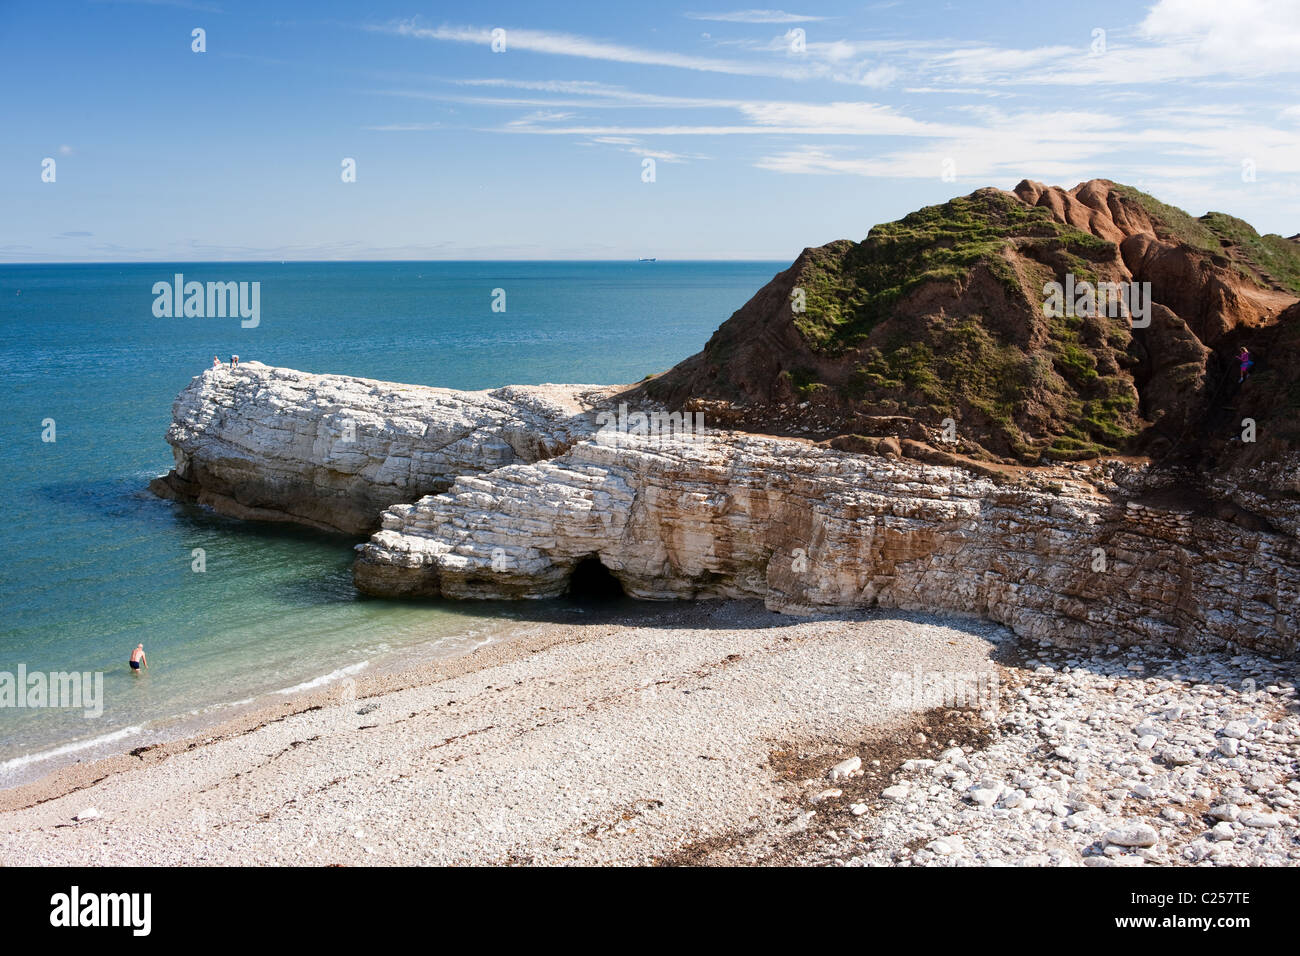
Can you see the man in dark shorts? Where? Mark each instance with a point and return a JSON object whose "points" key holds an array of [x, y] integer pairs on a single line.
{"points": [[138, 659]]}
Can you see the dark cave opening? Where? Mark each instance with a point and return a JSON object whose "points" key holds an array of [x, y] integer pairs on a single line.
{"points": [[591, 581]]}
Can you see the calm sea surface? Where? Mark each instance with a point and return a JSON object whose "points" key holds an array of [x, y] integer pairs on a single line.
{"points": [[92, 564]]}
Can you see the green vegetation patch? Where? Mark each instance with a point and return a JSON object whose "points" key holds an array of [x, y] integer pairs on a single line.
{"points": [[850, 289], [1271, 254], [1228, 237], [1172, 222]]}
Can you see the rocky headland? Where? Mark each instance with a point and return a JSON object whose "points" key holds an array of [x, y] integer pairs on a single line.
{"points": [[897, 422], [889, 427], [332, 451]]}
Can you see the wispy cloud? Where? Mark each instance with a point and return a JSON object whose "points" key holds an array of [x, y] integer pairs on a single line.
{"points": [[1177, 41], [626, 144], [773, 117], [568, 44], [1201, 140], [957, 91], [591, 95], [754, 16], [1001, 146], [541, 116], [827, 60]]}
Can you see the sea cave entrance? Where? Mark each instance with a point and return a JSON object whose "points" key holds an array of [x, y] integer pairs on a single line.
{"points": [[592, 582]]}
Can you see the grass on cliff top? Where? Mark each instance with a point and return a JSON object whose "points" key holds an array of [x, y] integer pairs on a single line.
{"points": [[1172, 222], [1067, 399], [1271, 254], [850, 288], [1227, 237]]}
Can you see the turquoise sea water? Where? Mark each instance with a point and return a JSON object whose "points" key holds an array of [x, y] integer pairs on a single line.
{"points": [[93, 564]]}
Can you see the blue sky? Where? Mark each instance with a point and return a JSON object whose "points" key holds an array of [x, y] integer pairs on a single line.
{"points": [[762, 145]]}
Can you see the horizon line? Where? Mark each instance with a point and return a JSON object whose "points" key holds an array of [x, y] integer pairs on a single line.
{"points": [[156, 262]]}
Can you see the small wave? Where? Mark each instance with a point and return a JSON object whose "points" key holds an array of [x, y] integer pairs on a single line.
{"points": [[26, 759], [325, 679], [199, 711]]}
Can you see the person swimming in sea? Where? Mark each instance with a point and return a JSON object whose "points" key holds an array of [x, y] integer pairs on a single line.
{"points": [[138, 659]]}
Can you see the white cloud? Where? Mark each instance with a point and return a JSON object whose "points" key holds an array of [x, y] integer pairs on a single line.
{"points": [[879, 76], [541, 116], [827, 60], [568, 44], [627, 144], [764, 117], [957, 91], [664, 156], [1248, 37], [1002, 146], [1198, 144], [754, 16], [837, 119], [1177, 40], [986, 61], [617, 95], [1200, 140]]}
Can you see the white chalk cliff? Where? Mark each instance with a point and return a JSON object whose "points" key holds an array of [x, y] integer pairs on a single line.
{"points": [[332, 451], [503, 494]]}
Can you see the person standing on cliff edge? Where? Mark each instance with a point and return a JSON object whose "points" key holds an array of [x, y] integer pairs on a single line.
{"points": [[1244, 358], [138, 659]]}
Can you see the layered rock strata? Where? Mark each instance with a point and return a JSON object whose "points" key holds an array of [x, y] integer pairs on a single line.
{"points": [[332, 451], [1095, 553]]}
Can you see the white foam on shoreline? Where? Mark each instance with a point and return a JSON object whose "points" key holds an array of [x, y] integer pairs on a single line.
{"points": [[19, 770], [26, 759], [326, 678], [221, 705]]}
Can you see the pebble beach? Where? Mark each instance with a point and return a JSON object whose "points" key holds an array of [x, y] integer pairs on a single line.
{"points": [[716, 733]]}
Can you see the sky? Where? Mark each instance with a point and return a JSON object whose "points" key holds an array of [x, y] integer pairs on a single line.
{"points": [[767, 130]]}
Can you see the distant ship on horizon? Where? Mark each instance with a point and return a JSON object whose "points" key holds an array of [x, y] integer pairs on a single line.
{"points": [[647, 259]]}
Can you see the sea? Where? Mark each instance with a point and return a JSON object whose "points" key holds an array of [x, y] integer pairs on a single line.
{"points": [[91, 563]]}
